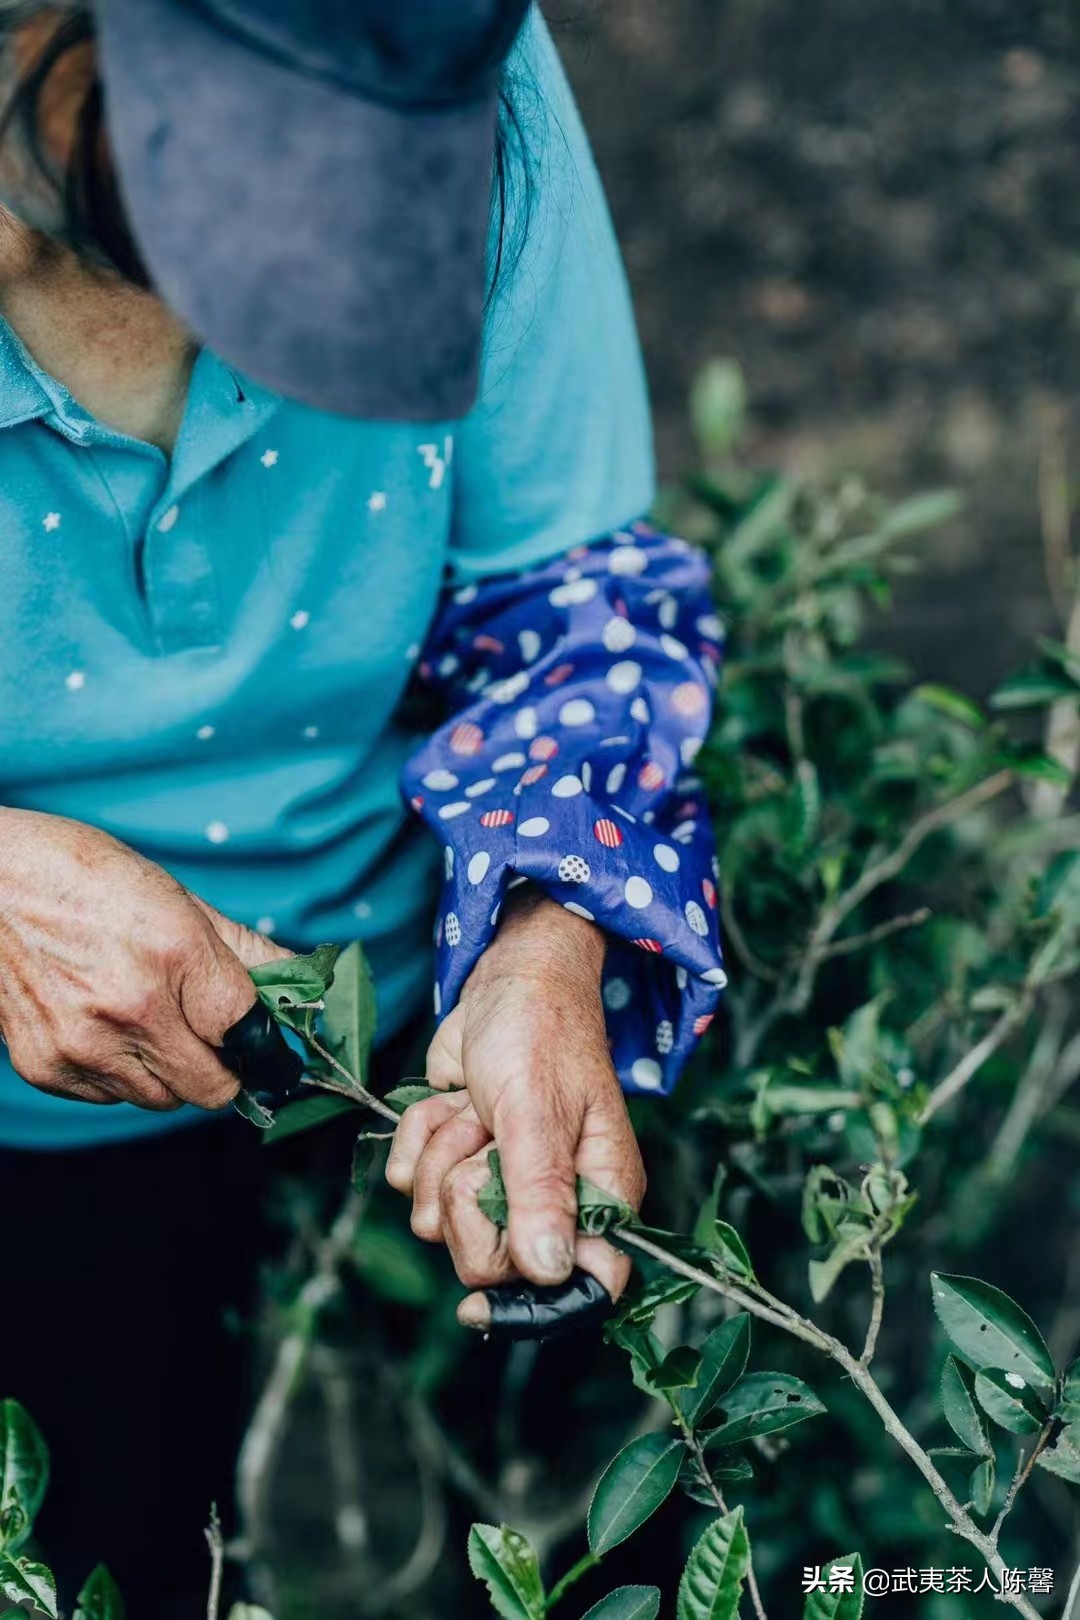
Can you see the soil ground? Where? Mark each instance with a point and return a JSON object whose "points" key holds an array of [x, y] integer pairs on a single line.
{"points": [[876, 209]]}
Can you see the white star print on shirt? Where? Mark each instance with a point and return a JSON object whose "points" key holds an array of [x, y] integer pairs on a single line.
{"points": [[377, 501], [50, 521], [269, 458]]}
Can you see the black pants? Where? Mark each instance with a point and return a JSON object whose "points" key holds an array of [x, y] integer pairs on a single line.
{"points": [[128, 1279]]}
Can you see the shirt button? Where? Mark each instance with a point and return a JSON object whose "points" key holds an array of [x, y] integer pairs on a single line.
{"points": [[168, 519]]}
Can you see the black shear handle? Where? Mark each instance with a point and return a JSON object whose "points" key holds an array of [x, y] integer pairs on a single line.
{"points": [[256, 1051], [528, 1311]]}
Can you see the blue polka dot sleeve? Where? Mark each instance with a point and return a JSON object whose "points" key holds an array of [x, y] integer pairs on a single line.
{"points": [[582, 691]]}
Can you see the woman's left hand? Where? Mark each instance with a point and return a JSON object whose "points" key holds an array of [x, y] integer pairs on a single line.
{"points": [[527, 1042]]}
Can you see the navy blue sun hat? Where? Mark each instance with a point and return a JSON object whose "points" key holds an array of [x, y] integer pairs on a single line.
{"points": [[309, 183]]}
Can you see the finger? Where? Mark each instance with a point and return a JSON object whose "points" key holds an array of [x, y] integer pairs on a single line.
{"points": [[418, 1125], [606, 1264], [74, 1086], [477, 1247], [214, 991], [608, 1152], [443, 1065], [462, 1136], [253, 949], [536, 1131], [188, 1068]]}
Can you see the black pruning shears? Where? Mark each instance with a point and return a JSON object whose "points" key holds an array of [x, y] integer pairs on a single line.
{"points": [[256, 1051]]}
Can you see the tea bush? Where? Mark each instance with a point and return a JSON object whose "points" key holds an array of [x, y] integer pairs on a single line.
{"points": [[847, 1353]]}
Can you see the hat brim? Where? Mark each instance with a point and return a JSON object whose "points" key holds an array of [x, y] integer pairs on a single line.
{"points": [[332, 247]]}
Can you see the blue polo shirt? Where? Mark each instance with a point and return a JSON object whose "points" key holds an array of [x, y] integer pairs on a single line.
{"points": [[205, 655]]}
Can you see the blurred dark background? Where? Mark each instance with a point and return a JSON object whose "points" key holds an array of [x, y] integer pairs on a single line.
{"points": [[876, 210]]}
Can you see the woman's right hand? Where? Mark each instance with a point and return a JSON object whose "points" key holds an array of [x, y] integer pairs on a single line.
{"points": [[116, 984]]}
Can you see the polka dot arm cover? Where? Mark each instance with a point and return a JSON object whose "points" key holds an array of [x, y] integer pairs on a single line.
{"points": [[581, 693]]}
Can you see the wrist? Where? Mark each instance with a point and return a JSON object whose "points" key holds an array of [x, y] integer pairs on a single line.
{"points": [[536, 935]]}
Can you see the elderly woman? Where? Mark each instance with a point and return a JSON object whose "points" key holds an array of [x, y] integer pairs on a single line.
{"points": [[292, 415]]}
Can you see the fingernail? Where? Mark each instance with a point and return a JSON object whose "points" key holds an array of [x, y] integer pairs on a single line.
{"points": [[553, 1257], [475, 1312]]}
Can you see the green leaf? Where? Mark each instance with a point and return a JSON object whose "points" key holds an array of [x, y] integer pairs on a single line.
{"points": [[249, 1611], [731, 1250], [989, 1329], [678, 1370], [1036, 766], [1033, 689], [981, 1484], [712, 1581], [24, 1473], [961, 1413], [731, 1468], [718, 407], [245, 1104], [100, 1598], [21, 1579], [631, 1488], [665, 1288], [705, 1226], [295, 979], [395, 1266], [1068, 1407], [1010, 1400], [599, 1211], [723, 1361], [763, 1403], [503, 1559], [1063, 1457], [627, 1603], [954, 705], [918, 513], [403, 1097], [491, 1199], [347, 1024], [843, 1603], [305, 1114]]}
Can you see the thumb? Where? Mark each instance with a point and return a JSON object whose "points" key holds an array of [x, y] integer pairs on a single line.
{"points": [[253, 949]]}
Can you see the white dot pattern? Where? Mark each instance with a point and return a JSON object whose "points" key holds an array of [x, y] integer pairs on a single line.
{"points": [[577, 774]]}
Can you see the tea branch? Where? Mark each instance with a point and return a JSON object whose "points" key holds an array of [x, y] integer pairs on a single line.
{"points": [[354, 1090], [1020, 1478], [796, 990], [973, 1060], [216, 1544], [960, 1520]]}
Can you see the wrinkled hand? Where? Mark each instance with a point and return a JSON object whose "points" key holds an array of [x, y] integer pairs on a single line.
{"points": [[116, 984], [527, 1041]]}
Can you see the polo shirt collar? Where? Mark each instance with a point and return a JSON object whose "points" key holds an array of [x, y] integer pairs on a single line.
{"points": [[224, 408], [22, 395]]}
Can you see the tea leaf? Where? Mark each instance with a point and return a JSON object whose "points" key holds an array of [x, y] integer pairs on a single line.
{"points": [[503, 1559], [763, 1403], [631, 1488], [712, 1581], [627, 1603], [989, 1329], [22, 1579], [347, 1024], [100, 1598], [1063, 1457], [1010, 1400], [845, 1603], [981, 1485], [245, 1104], [24, 1473], [961, 1413], [723, 1360]]}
